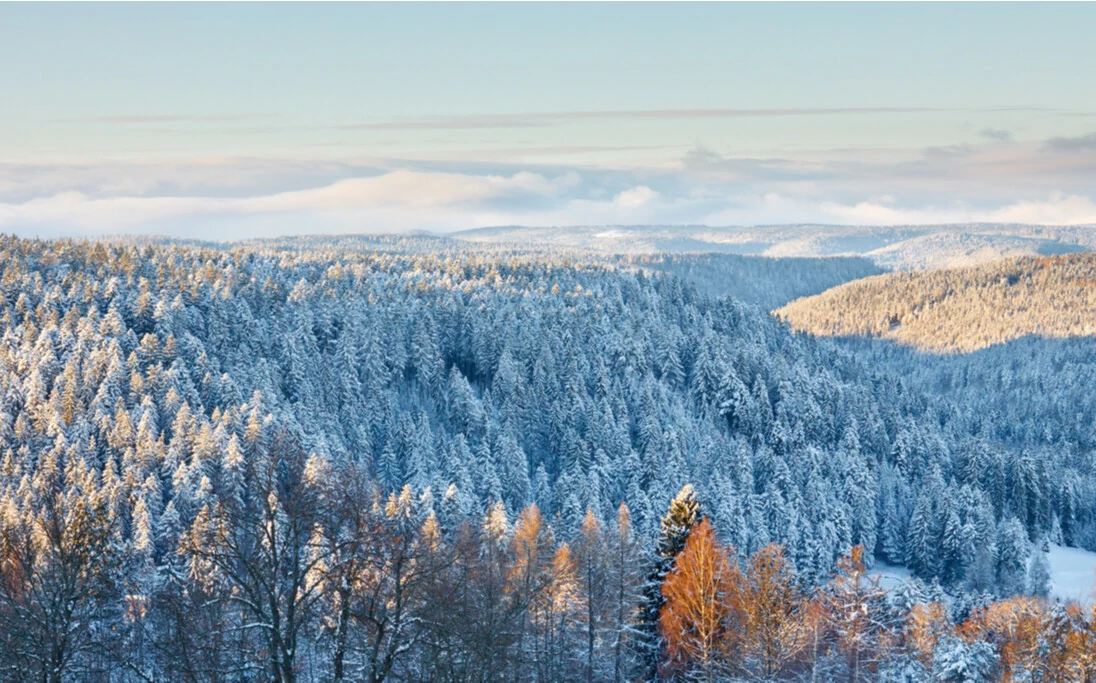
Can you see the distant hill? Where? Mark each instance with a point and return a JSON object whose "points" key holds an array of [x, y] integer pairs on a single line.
{"points": [[900, 247], [957, 249], [959, 309]]}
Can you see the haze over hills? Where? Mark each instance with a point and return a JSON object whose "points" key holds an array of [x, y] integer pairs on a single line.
{"points": [[961, 309], [891, 247]]}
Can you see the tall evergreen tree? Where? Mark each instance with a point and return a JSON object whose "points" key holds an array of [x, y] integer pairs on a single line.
{"points": [[683, 514]]}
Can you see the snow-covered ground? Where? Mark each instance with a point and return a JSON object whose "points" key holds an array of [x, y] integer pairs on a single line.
{"points": [[890, 576], [1073, 574]]}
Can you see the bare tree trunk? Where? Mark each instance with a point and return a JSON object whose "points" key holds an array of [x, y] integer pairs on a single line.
{"points": [[341, 633], [589, 622]]}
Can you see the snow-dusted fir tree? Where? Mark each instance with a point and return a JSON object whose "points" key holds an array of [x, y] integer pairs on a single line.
{"points": [[682, 515]]}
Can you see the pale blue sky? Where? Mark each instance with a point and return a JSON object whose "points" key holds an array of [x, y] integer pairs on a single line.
{"points": [[714, 112]]}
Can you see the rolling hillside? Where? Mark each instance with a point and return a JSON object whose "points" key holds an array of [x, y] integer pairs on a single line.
{"points": [[898, 247], [961, 309]]}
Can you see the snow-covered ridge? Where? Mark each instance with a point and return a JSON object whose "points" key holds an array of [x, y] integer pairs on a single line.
{"points": [[907, 247]]}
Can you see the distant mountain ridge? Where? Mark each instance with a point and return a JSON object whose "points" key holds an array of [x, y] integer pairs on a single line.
{"points": [[901, 247]]}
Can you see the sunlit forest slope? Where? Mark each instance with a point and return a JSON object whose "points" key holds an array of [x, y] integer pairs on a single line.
{"points": [[959, 309]]}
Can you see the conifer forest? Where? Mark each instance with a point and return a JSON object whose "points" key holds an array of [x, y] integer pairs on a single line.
{"points": [[412, 459]]}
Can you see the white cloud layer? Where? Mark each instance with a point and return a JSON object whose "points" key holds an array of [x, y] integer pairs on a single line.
{"points": [[997, 181], [1057, 209]]}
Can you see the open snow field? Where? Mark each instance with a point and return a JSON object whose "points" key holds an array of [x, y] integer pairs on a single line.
{"points": [[1072, 572]]}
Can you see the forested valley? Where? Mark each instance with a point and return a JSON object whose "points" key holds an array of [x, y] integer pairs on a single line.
{"points": [[404, 459]]}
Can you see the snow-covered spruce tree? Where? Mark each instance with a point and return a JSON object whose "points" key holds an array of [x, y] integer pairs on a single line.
{"points": [[682, 515], [1012, 557], [1039, 571]]}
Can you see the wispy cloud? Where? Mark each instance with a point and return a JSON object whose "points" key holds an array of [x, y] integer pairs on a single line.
{"points": [[544, 119], [164, 118], [996, 134], [948, 152], [555, 118], [1056, 209], [1081, 143]]}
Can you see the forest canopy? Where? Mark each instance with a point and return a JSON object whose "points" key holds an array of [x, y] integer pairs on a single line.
{"points": [[209, 450]]}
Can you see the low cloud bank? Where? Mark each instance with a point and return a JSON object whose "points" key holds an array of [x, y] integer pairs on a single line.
{"points": [[999, 181]]}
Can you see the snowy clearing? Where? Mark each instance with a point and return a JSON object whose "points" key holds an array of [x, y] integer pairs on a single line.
{"points": [[1072, 571], [1073, 574]]}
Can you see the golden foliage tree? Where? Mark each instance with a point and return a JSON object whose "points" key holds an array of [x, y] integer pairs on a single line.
{"points": [[530, 574], [1037, 643], [592, 558], [1065, 647], [701, 594], [925, 625], [1013, 626]]}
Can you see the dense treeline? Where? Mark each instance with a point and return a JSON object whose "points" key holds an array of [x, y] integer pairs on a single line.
{"points": [[296, 569], [762, 281], [759, 280], [960, 309], [890, 247], [204, 443], [1032, 392]]}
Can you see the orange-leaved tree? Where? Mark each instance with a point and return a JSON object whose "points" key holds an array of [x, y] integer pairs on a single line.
{"points": [[1066, 647], [702, 593], [925, 625], [1013, 626]]}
